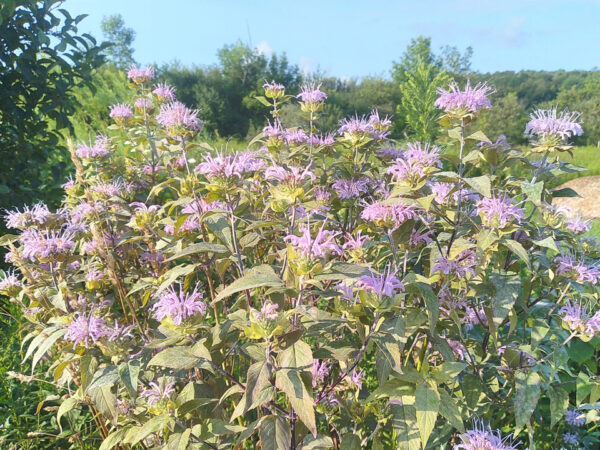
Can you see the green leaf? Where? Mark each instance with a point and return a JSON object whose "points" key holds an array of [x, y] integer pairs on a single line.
{"points": [[175, 358], [263, 100], [547, 243], [564, 192], [108, 376], [154, 425], [432, 304], [129, 372], [580, 351], [202, 247], [350, 441], [219, 225], [427, 405], [486, 238], [317, 443], [506, 291], [173, 274], [275, 433], [471, 388], [526, 397], [114, 438], [106, 402], [518, 250], [479, 136], [294, 379], [559, 402], [46, 345], [404, 422], [450, 411], [448, 371], [482, 184], [257, 379], [66, 406], [260, 276], [342, 271], [533, 191]]}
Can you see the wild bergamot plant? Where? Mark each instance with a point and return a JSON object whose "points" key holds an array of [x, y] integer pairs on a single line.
{"points": [[318, 290]]}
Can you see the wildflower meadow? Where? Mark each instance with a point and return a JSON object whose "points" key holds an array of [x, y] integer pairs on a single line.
{"points": [[318, 290]]}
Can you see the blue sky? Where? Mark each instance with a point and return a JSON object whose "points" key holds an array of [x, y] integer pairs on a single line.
{"points": [[351, 38]]}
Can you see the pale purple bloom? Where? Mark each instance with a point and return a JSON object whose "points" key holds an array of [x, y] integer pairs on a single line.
{"points": [[498, 212], [96, 151], [574, 315], [143, 103], [295, 136], [312, 94], [119, 332], [418, 237], [346, 291], [94, 275], [69, 184], [112, 189], [356, 378], [387, 214], [547, 123], [500, 144], [164, 92], [139, 75], [179, 306], [178, 118], [291, 175], [463, 265], [155, 257], [125, 406], [140, 207], [322, 195], [355, 242], [84, 328], [458, 349], [415, 162], [319, 140], [469, 100], [120, 111], [351, 188], [389, 153], [150, 169], [200, 206], [319, 372], [570, 438], [46, 245], [36, 215], [229, 166], [320, 246], [273, 89], [574, 418], [9, 282], [356, 126], [157, 392], [267, 313], [481, 437], [86, 210], [572, 268], [385, 284], [273, 130], [577, 224]]}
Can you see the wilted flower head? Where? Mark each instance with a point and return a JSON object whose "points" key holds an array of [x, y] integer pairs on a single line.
{"points": [[179, 306], [311, 94], [498, 212], [481, 437], [178, 119], [267, 313], [164, 92], [158, 392], [552, 127], [84, 328], [320, 246], [460, 102], [139, 75], [385, 284]]}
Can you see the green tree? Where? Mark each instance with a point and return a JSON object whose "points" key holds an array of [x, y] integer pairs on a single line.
{"points": [[507, 117], [418, 51], [42, 60], [120, 39], [417, 110]]}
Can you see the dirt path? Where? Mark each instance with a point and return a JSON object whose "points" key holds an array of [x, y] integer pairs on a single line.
{"points": [[589, 189]]}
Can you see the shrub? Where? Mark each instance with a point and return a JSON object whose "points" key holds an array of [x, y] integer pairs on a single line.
{"points": [[318, 290]]}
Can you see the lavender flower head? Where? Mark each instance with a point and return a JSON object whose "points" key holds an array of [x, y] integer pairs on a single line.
{"points": [[120, 113], [320, 371], [574, 418], [382, 285], [322, 245], [9, 283], [47, 246], [551, 127], [274, 90], [179, 306], [178, 119], [570, 438], [481, 437], [347, 189], [570, 267], [498, 212], [460, 267], [33, 216], [576, 318], [139, 75], [311, 94], [388, 214], [164, 92], [158, 392], [268, 312], [292, 175], [459, 102], [227, 167], [143, 103], [84, 329], [356, 378], [96, 151], [416, 162]]}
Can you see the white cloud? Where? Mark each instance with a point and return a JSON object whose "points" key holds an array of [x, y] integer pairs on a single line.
{"points": [[263, 48], [307, 65]]}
